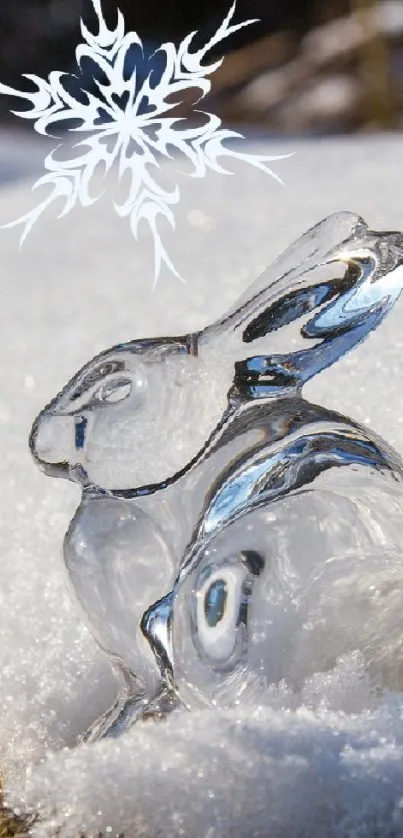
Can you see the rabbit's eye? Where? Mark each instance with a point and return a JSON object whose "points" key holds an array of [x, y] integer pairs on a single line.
{"points": [[94, 376], [115, 391]]}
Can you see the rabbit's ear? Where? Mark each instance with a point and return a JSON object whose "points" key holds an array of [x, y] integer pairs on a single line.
{"points": [[338, 269], [288, 308], [288, 288]]}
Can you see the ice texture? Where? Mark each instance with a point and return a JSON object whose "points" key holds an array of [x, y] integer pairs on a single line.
{"points": [[326, 761]]}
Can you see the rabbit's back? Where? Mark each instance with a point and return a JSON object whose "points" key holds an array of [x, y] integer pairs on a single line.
{"points": [[267, 451]]}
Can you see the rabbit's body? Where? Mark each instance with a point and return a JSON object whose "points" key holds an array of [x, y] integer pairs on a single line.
{"points": [[313, 485], [243, 536]]}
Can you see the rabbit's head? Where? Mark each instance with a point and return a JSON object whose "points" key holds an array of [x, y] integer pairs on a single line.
{"points": [[120, 422]]}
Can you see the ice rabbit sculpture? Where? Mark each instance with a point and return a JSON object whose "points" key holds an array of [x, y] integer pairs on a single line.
{"points": [[231, 534]]}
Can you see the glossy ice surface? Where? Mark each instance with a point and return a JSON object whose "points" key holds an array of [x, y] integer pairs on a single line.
{"points": [[226, 524]]}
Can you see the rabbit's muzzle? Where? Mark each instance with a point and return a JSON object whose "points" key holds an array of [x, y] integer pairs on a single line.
{"points": [[50, 444]]}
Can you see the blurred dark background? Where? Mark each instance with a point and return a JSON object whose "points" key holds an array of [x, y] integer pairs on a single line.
{"points": [[308, 66]]}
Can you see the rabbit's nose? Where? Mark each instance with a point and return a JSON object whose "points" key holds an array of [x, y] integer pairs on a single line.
{"points": [[52, 439]]}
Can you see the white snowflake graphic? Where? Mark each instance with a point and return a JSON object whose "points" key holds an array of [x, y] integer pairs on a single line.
{"points": [[125, 114]]}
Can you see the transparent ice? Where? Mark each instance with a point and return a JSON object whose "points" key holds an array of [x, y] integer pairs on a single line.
{"points": [[231, 535]]}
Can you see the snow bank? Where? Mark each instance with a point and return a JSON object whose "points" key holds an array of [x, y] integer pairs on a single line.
{"points": [[311, 770]]}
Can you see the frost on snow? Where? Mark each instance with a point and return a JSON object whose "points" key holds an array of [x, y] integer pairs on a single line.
{"points": [[126, 117]]}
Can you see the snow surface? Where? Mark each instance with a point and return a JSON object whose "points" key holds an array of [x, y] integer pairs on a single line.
{"points": [[328, 762]]}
